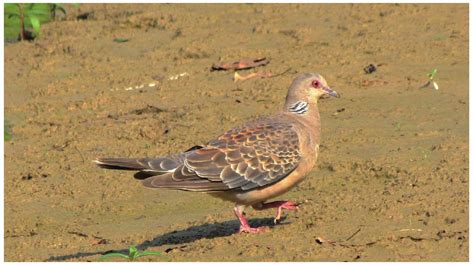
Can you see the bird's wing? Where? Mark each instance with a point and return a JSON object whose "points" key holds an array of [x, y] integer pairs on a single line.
{"points": [[254, 155]]}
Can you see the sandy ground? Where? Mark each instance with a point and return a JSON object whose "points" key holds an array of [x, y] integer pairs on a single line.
{"points": [[391, 182]]}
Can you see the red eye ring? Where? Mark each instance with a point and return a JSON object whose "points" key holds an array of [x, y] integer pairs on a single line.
{"points": [[316, 84]]}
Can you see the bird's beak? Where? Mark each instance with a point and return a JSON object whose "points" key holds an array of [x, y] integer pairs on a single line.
{"points": [[331, 92]]}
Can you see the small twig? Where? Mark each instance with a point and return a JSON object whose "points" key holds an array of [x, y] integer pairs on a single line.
{"points": [[238, 77], [22, 22], [240, 65], [282, 73], [410, 229], [77, 233], [80, 153], [355, 233]]}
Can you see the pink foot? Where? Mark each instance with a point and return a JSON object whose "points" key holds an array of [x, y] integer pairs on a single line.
{"points": [[251, 230], [244, 225], [288, 205]]}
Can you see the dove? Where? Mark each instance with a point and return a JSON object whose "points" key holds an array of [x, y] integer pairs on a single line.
{"points": [[249, 164]]}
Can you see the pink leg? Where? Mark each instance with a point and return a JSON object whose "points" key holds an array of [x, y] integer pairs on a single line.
{"points": [[289, 205], [244, 225]]}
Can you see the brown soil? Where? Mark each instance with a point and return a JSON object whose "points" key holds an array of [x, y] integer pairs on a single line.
{"points": [[392, 178]]}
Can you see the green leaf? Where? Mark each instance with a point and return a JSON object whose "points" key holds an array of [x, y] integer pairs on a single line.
{"points": [[120, 40], [11, 9], [11, 20], [111, 255], [33, 12], [35, 23], [13, 15], [432, 74], [40, 15], [132, 252], [44, 9], [7, 136], [41, 11]]}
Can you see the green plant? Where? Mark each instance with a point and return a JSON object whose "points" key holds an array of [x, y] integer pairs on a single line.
{"points": [[7, 136], [133, 254], [120, 40], [19, 17], [425, 154], [399, 126], [431, 76]]}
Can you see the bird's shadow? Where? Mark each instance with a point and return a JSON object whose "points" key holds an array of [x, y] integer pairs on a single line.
{"points": [[188, 235]]}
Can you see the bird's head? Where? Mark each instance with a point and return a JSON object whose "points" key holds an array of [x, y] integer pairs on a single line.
{"points": [[309, 88]]}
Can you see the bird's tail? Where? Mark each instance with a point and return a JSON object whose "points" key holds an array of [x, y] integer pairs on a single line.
{"points": [[123, 163], [152, 166], [158, 164]]}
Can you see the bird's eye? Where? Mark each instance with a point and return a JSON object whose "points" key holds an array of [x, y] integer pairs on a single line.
{"points": [[316, 84]]}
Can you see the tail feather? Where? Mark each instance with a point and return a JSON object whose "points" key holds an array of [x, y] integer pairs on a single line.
{"points": [[164, 172], [141, 175], [122, 163], [158, 165]]}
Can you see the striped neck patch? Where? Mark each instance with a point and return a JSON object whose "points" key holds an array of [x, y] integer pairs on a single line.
{"points": [[300, 107]]}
